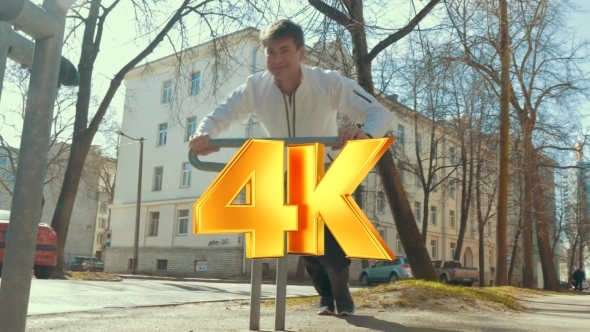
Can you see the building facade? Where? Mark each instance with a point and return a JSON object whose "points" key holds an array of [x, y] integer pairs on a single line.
{"points": [[91, 200]]}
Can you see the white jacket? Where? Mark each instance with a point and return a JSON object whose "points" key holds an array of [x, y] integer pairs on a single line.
{"points": [[310, 112]]}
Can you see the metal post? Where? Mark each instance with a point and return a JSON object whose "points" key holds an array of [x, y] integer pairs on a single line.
{"points": [[281, 290], [4, 49], [137, 210], [15, 284], [255, 294]]}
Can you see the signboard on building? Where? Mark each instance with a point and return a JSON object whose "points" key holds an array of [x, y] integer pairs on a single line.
{"points": [[200, 266], [108, 240]]}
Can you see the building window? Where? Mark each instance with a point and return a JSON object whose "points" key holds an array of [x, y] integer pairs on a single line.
{"points": [[162, 264], [453, 249], [104, 207], [452, 156], [99, 238], [187, 169], [130, 263], [417, 181], [153, 226], [182, 222], [191, 127], [382, 234], [162, 133], [418, 143], [433, 183], [433, 247], [418, 211], [433, 215], [195, 83], [166, 92], [491, 257], [452, 218], [381, 202], [400, 167], [401, 134], [398, 245], [489, 228], [452, 189], [102, 223], [158, 177]]}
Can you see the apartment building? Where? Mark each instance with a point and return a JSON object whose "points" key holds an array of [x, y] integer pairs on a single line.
{"points": [[87, 222]]}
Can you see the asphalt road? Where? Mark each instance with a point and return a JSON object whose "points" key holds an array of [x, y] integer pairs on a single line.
{"points": [[60, 296]]}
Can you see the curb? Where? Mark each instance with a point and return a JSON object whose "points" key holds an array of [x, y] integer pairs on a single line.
{"points": [[225, 281]]}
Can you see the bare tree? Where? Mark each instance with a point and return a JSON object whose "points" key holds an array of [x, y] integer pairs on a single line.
{"points": [[543, 67], [17, 83], [92, 16], [350, 15]]}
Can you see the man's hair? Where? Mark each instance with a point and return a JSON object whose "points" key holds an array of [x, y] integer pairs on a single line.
{"points": [[283, 29]]}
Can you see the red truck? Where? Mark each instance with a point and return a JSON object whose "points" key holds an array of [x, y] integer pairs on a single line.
{"points": [[46, 253]]}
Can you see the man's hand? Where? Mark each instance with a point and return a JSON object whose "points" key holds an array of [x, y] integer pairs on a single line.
{"points": [[349, 133], [199, 143]]}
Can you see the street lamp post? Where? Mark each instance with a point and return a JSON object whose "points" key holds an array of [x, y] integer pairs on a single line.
{"points": [[137, 204]]}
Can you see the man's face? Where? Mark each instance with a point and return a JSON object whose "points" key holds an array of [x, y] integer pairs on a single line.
{"points": [[283, 59]]}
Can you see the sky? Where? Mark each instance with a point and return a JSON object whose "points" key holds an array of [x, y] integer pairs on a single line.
{"points": [[118, 47]]}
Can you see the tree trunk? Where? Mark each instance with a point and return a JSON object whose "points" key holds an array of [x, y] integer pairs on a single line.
{"points": [[571, 267], [80, 145], [65, 202], [480, 224], [466, 189], [550, 280], [581, 259], [527, 229], [425, 217], [504, 150], [405, 223], [513, 255]]}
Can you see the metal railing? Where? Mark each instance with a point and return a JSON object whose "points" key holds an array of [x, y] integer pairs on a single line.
{"points": [[210, 166]]}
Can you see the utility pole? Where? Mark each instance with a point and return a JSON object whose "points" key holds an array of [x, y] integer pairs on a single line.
{"points": [[46, 24], [137, 203], [504, 151]]}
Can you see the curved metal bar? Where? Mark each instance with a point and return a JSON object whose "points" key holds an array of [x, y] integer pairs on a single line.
{"points": [[209, 166]]}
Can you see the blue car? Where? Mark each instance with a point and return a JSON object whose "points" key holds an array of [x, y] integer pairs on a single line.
{"points": [[386, 271]]}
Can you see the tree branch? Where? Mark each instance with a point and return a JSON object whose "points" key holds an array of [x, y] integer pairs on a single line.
{"points": [[394, 37]]}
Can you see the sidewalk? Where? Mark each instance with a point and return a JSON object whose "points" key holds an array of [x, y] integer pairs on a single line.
{"points": [[551, 313]]}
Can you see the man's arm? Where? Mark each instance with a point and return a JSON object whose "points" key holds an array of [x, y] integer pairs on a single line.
{"points": [[350, 99], [235, 109]]}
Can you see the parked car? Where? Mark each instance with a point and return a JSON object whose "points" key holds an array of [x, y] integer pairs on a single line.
{"points": [[45, 253], [565, 285], [386, 271], [82, 263], [585, 285], [453, 273]]}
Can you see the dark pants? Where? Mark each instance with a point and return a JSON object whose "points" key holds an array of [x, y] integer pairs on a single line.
{"points": [[330, 272], [578, 285]]}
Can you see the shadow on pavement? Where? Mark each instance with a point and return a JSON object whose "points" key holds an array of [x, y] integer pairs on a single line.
{"points": [[376, 324]]}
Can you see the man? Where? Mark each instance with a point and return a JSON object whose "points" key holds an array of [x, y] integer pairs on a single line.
{"points": [[578, 277], [293, 100]]}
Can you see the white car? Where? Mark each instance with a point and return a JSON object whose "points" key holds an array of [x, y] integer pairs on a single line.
{"points": [[585, 285]]}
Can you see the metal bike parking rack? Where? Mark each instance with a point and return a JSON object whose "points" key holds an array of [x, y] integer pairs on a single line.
{"points": [[282, 266]]}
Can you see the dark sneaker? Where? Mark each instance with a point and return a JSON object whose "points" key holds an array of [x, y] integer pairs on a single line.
{"points": [[346, 310], [326, 307]]}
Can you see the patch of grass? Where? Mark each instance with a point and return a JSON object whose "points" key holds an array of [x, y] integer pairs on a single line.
{"points": [[417, 293], [93, 276]]}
